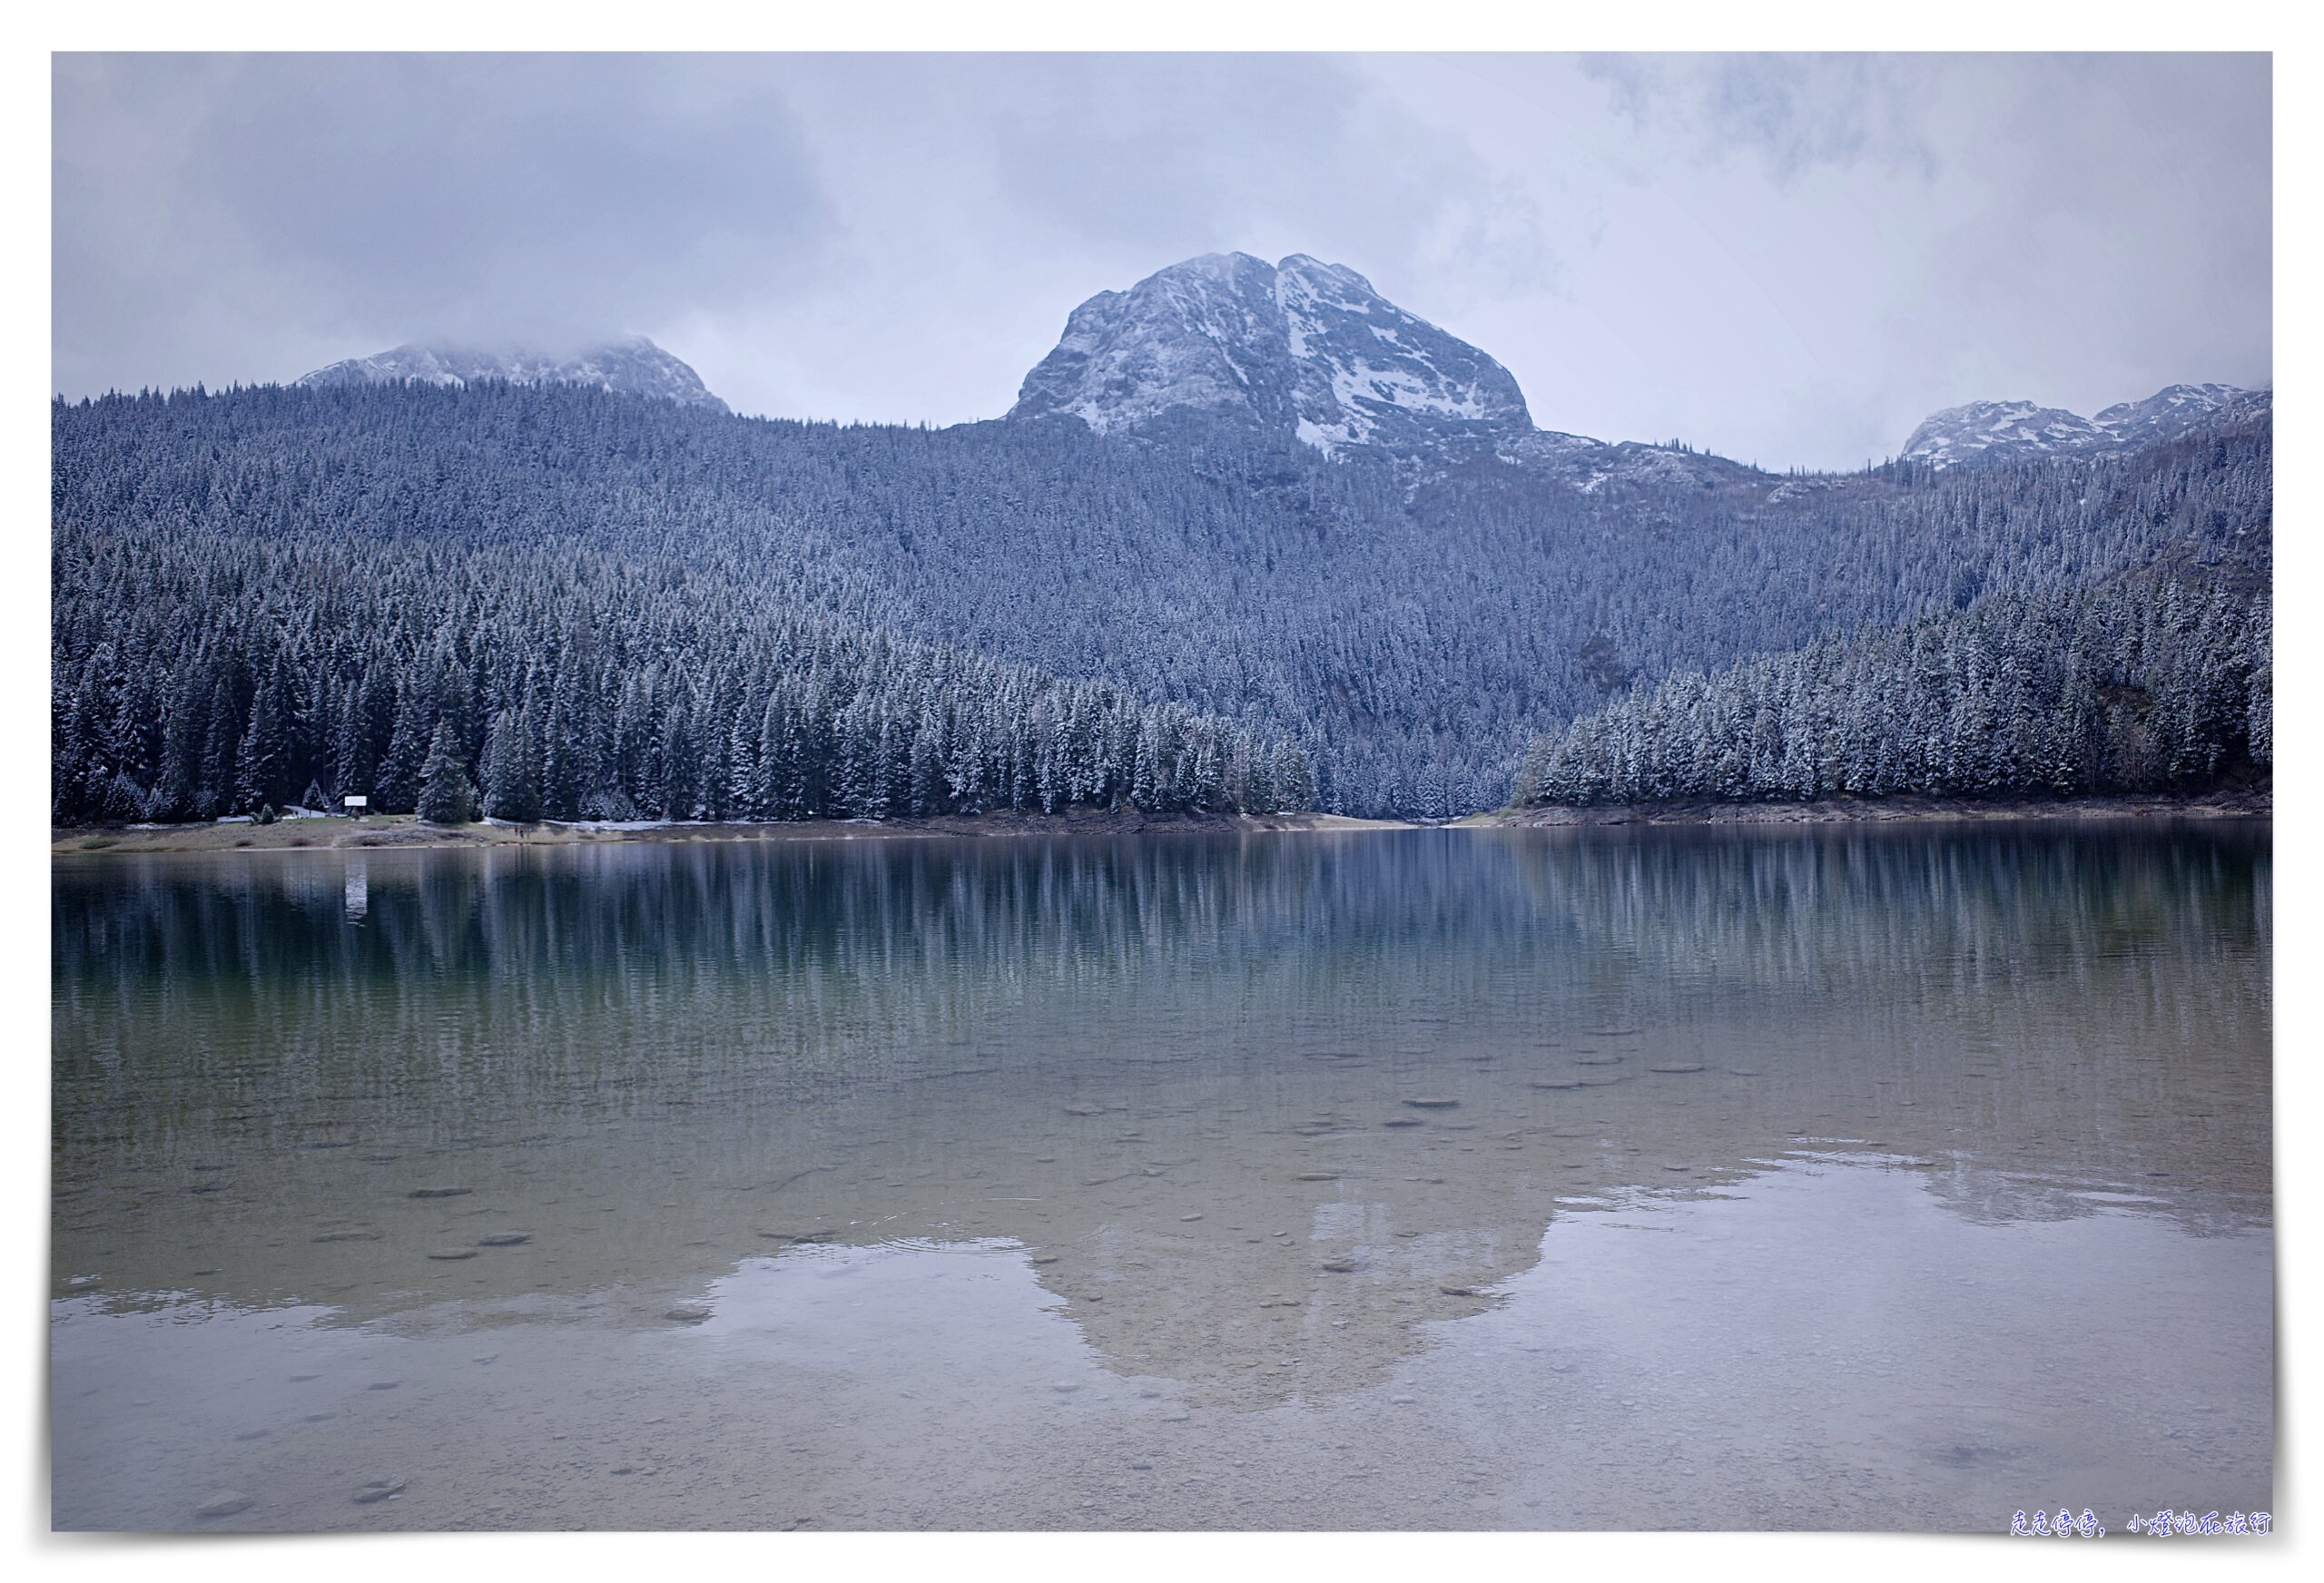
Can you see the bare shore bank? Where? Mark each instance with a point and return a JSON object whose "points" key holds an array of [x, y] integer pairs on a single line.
{"points": [[406, 831], [2252, 804]]}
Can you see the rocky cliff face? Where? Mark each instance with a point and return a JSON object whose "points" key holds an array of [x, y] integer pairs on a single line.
{"points": [[632, 366], [1302, 347]]}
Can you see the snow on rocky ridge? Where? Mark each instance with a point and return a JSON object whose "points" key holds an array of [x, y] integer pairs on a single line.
{"points": [[1302, 347], [632, 365], [1996, 431], [1309, 351]]}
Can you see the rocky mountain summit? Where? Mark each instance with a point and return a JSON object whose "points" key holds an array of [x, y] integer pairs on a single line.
{"points": [[632, 366], [1304, 347], [2177, 409], [1999, 431], [1310, 351]]}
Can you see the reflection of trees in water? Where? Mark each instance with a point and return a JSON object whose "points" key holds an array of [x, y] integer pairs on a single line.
{"points": [[482, 986], [1078, 1043]]}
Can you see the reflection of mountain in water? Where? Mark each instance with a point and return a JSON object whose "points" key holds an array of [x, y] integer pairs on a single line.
{"points": [[1181, 1070]]}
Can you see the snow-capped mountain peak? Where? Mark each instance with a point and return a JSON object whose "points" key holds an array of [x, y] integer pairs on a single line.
{"points": [[1970, 432], [630, 365], [2173, 409], [1302, 347], [1995, 431]]}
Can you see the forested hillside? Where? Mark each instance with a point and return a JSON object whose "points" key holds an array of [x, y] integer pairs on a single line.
{"points": [[658, 603], [216, 672], [2160, 681]]}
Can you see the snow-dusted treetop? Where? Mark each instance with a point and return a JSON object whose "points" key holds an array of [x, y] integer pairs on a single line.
{"points": [[1306, 348], [630, 365], [1993, 431]]}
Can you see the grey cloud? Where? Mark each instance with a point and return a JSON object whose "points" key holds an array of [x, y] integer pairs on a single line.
{"points": [[1790, 258], [391, 196], [1152, 150], [1793, 113], [246, 217]]}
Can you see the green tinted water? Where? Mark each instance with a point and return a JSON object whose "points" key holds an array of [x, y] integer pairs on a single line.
{"points": [[1665, 1178]]}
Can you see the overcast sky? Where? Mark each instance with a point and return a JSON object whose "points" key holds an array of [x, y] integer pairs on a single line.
{"points": [[1786, 260]]}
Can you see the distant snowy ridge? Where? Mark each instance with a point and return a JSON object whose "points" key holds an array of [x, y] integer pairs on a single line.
{"points": [[1310, 352], [1995, 431], [632, 366]]}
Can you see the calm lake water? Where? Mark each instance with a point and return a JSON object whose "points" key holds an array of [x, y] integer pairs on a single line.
{"points": [[1848, 1179]]}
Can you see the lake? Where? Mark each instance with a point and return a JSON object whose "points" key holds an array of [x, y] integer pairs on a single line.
{"points": [[1836, 1178]]}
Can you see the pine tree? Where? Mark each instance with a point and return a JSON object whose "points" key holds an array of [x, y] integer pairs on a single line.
{"points": [[260, 763], [446, 796], [402, 768], [512, 788]]}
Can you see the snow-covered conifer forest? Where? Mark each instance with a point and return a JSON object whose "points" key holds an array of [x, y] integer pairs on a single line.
{"points": [[1274, 574]]}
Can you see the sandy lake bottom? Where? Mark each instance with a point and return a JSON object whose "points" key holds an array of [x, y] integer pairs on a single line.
{"points": [[1856, 1179]]}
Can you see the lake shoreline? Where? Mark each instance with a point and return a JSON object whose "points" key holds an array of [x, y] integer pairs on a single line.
{"points": [[2254, 804], [404, 833]]}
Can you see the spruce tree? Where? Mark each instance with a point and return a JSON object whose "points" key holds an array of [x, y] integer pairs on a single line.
{"points": [[446, 796], [513, 771], [260, 765]]}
